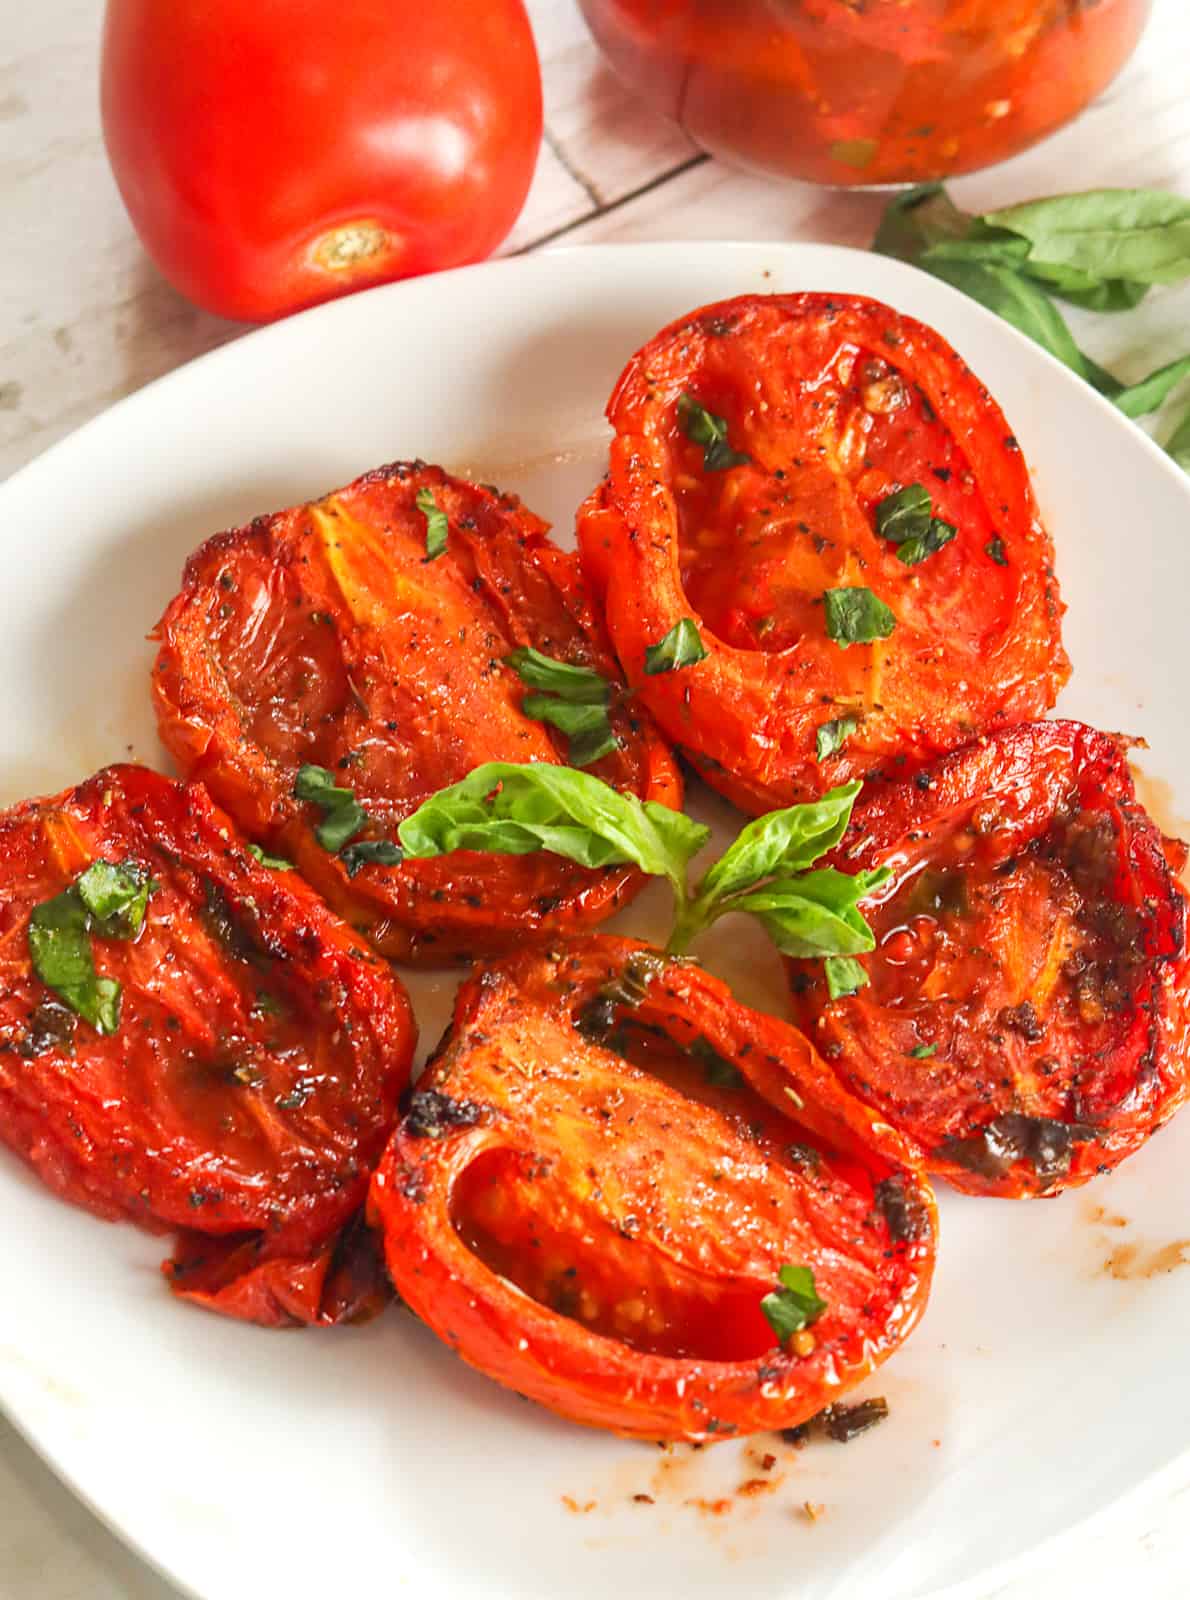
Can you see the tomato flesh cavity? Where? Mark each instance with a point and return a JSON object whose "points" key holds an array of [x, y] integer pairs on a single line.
{"points": [[1024, 1023], [323, 635], [253, 1076], [830, 405], [601, 1176]]}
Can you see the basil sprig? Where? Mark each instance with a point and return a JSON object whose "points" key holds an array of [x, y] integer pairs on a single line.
{"points": [[512, 809], [573, 699], [703, 427], [794, 1304], [1101, 250], [108, 901]]}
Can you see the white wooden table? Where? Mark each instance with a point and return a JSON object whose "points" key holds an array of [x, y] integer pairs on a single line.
{"points": [[84, 319]]}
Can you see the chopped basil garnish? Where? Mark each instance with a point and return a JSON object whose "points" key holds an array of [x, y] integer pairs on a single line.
{"points": [[579, 685], [843, 976], [703, 427], [370, 852], [107, 900], [682, 646], [115, 896], [995, 549], [907, 519], [856, 616], [905, 514], [278, 863], [586, 727], [922, 1052], [794, 1305], [833, 735], [926, 544], [437, 525], [343, 816], [573, 699]]}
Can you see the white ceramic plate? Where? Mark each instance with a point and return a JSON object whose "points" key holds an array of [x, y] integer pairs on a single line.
{"points": [[1040, 1386]]}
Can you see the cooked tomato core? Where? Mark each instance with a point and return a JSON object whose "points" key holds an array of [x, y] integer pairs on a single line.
{"points": [[760, 542]]}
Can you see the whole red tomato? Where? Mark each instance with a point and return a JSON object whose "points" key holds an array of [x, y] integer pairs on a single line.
{"points": [[276, 154]]}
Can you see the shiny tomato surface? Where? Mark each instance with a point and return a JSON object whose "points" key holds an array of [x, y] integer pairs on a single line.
{"points": [[1025, 1023], [837, 402], [277, 153], [252, 1079], [324, 636], [868, 91], [601, 1174]]}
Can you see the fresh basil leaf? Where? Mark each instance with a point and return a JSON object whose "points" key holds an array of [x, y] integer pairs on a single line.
{"points": [[278, 863], [60, 948], [703, 427], [782, 842], [856, 616], [905, 514], [1019, 302], [514, 810], [833, 735], [116, 896], [917, 219], [815, 914], [1178, 443], [995, 549], [682, 646], [578, 685], [1138, 399], [994, 249], [343, 816], [1085, 289], [369, 852], [794, 1304], [922, 1052], [1139, 235], [587, 727], [915, 550], [437, 524], [844, 976]]}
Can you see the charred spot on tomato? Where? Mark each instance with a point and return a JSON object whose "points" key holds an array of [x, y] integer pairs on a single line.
{"points": [[1043, 1143], [842, 1422], [432, 1114], [52, 1026], [937, 892], [905, 1216]]}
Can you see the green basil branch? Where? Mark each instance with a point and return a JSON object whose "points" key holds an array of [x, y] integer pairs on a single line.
{"points": [[1102, 250], [768, 872]]}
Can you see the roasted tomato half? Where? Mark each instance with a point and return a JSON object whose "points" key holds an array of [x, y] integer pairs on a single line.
{"points": [[239, 1074], [602, 1176], [330, 635], [1025, 1019], [759, 446]]}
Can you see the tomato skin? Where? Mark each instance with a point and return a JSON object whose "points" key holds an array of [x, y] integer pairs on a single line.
{"points": [[243, 136], [642, 1210], [838, 401], [254, 1076], [1032, 944], [323, 635]]}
